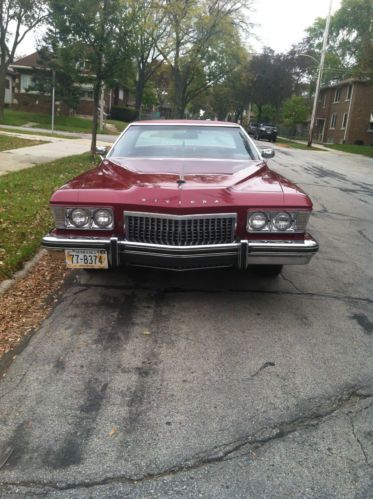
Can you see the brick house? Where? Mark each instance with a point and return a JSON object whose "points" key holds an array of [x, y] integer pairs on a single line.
{"points": [[344, 113], [18, 95]]}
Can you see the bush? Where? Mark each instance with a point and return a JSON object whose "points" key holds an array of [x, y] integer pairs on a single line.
{"points": [[123, 114], [359, 142]]}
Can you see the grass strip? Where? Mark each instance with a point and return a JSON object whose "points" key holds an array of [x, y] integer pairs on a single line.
{"points": [[24, 208], [296, 145], [352, 149], [7, 142], [64, 123]]}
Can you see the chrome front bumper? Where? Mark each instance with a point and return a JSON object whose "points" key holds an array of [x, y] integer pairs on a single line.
{"points": [[239, 254]]}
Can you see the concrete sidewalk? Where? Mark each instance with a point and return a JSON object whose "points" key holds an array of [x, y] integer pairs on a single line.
{"points": [[55, 148]]}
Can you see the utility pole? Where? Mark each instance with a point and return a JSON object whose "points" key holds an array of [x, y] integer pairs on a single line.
{"points": [[319, 76]]}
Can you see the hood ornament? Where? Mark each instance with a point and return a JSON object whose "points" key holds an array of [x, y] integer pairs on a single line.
{"points": [[181, 179]]}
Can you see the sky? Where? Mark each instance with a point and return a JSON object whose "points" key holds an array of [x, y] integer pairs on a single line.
{"points": [[278, 23], [281, 23]]}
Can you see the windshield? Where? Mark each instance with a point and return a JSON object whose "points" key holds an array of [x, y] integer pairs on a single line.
{"points": [[184, 142]]}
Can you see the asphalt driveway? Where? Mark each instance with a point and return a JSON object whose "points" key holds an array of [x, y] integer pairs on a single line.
{"points": [[208, 384]]}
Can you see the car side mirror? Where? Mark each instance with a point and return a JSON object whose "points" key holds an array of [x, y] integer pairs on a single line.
{"points": [[102, 151], [267, 153]]}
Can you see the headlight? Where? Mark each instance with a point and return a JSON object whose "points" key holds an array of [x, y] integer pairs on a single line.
{"points": [[85, 218], [277, 221], [282, 221], [262, 129], [257, 221], [103, 218], [79, 217]]}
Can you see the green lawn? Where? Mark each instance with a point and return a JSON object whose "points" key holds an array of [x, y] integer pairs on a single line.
{"points": [[24, 208], [295, 145], [63, 123], [364, 150], [8, 142]]}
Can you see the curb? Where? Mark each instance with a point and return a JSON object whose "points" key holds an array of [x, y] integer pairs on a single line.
{"points": [[5, 285]]}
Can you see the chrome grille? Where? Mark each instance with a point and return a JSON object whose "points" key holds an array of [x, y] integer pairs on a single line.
{"points": [[174, 230]]}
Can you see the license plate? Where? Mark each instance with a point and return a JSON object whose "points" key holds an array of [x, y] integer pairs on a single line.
{"points": [[86, 259]]}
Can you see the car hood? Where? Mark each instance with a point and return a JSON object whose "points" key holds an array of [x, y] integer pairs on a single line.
{"points": [[158, 183]]}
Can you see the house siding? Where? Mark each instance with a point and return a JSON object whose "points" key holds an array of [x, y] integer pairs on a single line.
{"points": [[358, 109]]}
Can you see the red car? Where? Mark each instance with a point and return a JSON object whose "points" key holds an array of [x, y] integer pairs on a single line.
{"points": [[182, 195]]}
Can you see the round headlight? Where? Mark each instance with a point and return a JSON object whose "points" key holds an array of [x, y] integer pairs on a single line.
{"points": [[257, 220], [103, 218], [79, 217], [282, 221]]}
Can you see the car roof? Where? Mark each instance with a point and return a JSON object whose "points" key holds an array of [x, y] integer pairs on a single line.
{"points": [[186, 122]]}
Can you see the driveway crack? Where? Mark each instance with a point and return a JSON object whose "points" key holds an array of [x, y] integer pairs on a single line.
{"points": [[228, 451]]}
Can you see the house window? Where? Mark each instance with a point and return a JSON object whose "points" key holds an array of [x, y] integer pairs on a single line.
{"points": [[344, 121], [26, 82], [349, 92], [324, 101], [7, 84], [121, 94], [333, 120], [370, 128], [337, 95]]}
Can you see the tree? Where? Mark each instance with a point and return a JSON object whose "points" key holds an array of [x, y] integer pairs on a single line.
{"points": [[201, 35], [350, 43], [149, 18], [59, 67], [271, 80], [295, 111], [100, 31], [17, 19]]}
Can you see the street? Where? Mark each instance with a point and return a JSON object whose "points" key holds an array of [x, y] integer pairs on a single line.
{"points": [[147, 383]]}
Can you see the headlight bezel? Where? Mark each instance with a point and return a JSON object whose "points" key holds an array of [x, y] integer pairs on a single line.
{"points": [[299, 219], [63, 217]]}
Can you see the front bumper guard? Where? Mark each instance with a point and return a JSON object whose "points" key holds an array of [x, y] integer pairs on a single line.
{"points": [[238, 254]]}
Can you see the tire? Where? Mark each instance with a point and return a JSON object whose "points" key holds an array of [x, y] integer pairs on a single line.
{"points": [[267, 270]]}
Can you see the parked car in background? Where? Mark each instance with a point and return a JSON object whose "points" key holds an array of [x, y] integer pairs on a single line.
{"points": [[266, 131], [182, 195], [251, 128]]}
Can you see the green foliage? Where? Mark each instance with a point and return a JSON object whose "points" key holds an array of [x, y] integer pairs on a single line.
{"points": [[350, 43], [24, 207], [17, 19], [269, 114], [271, 81], [100, 32], [203, 46], [59, 65], [63, 123], [295, 111]]}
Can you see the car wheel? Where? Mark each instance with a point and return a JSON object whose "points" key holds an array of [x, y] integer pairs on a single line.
{"points": [[267, 270]]}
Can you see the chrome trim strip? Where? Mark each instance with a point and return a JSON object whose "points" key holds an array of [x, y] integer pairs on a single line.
{"points": [[178, 217], [166, 247]]}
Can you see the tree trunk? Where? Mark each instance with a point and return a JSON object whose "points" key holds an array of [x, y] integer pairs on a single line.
{"points": [[96, 103], [2, 91], [139, 94]]}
